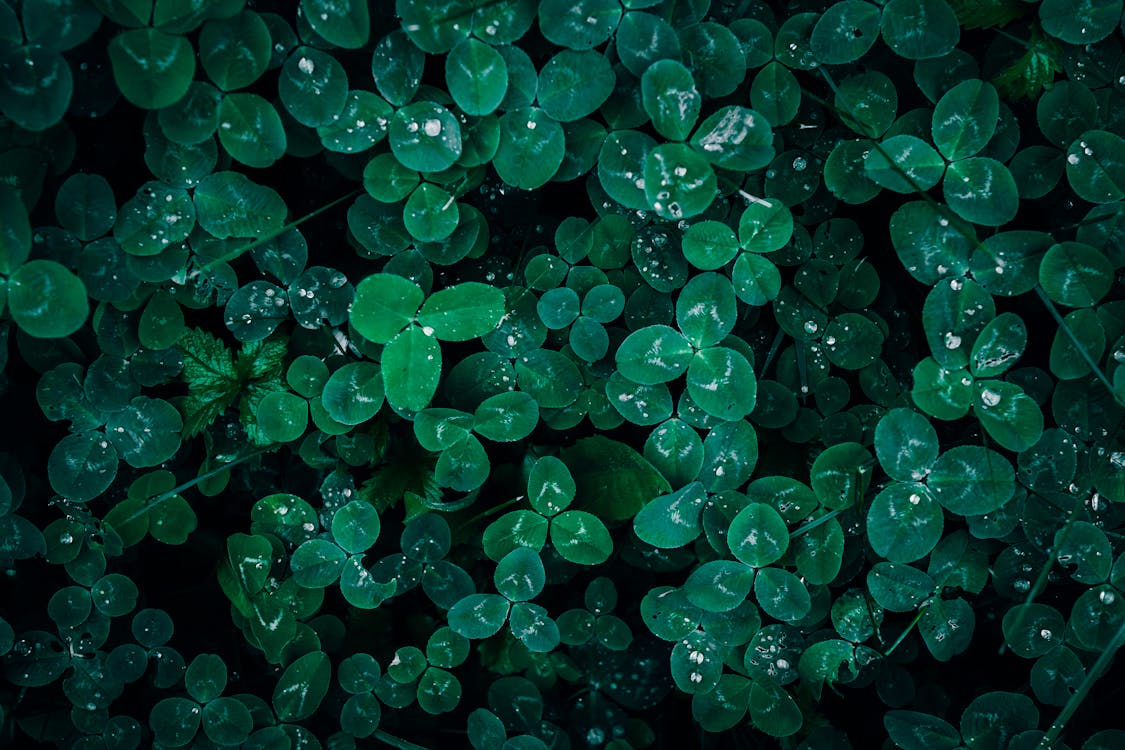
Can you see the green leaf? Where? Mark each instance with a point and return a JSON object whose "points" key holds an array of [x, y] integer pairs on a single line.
{"points": [[654, 354], [644, 38], [581, 537], [479, 616], [772, 709], [206, 677], [146, 432], [730, 453], [550, 377], [578, 24], [972, 480], [696, 662], [673, 520], [965, 119], [317, 564], [1008, 415], [519, 575], [462, 312], [920, 29], [506, 417], [904, 522], [356, 526], [1075, 274], [904, 164], [670, 99], [906, 444], [463, 466], [313, 86], [519, 528], [776, 94], [229, 204], [411, 369], [845, 32], [981, 190], [302, 687], [573, 84], [531, 150], [250, 130], [384, 304], [852, 341], [344, 23], [993, 718], [174, 721], [723, 707], [84, 204], [942, 393], [709, 245], [955, 313], [756, 279], [431, 214], [534, 628], [765, 226], [735, 138], [1080, 21], [913, 730], [46, 300], [722, 383], [928, 244], [227, 721], [477, 77], [678, 182], [757, 535], [1095, 166], [235, 52], [621, 164], [867, 102], [840, 475], [152, 69], [354, 393], [998, 346], [425, 137], [898, 587]]}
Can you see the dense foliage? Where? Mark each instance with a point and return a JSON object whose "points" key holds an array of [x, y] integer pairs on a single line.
{"points": [[518, 374]]}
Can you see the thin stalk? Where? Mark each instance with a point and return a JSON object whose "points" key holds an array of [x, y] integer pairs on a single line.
{"points": [[494, 509], [1074, 340], [906, 632], [1075, 701], [231, 255], [164, 496], [400, 743]]}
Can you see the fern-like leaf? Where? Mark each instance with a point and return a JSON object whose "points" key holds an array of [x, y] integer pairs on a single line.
{"points": [[1031, 73]]}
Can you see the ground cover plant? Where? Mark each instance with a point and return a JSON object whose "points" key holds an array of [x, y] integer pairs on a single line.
{"points": [[517, 374]]}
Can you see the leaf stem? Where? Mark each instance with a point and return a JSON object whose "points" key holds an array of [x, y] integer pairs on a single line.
{"points": [[390, 739], [1079, 695], [906, 631], [164, 496], [1074, 340], [232, 254]]}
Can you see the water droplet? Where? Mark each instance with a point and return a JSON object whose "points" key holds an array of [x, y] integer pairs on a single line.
{"points": [[66, 538], [1106, 597], [956, 284], [811, 326], [989, 397], [915, 499], [1072, 159], [800, 164], [952, 341], [306, 66], [432, 127], [1046, 634]]}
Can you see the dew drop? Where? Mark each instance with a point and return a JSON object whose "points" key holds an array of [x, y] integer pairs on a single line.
{"points": [[811, 326], [989, 397], [432, 127], [306, 66], [952, 341]]}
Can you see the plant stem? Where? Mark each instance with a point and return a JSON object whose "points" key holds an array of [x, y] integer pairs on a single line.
{"points": [[1075, 701], [906, 632], [1074, 340], [231, 255], [390, 739], [163, 496]]}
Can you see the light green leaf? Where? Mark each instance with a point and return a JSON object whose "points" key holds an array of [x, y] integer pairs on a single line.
{"points": [[384, 303], [411, 369], [462, 312], [302, 687], [152, 69]]}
